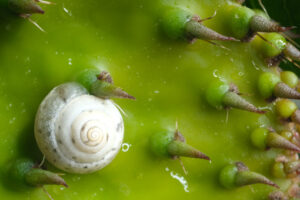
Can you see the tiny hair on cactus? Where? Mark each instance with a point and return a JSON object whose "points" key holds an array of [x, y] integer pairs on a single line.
{"points": [[178, 23], [238, 174], [222, 95], [262, 138]]}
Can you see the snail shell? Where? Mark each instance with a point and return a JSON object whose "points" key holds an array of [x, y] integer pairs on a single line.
{"points": [[78, 132]]}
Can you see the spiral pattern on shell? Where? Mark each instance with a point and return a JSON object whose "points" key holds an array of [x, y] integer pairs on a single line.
{"points": [[77, 132]]}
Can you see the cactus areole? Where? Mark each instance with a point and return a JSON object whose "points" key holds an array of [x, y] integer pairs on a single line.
{"points": [[216, 68]]}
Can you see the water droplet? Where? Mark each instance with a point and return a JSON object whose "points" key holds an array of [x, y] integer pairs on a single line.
{"points": [[12, 120], [70, 61], [67, 11], [125, 147], [156, 91]]}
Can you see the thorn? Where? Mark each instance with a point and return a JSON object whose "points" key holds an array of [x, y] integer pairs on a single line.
{"points": [[284, 91], [178, 148], [292, 52], [296, 116], [246, 177], [194, 29], [262, 24], [277, 141], [40, 177], [231, 99], [106, 90]]}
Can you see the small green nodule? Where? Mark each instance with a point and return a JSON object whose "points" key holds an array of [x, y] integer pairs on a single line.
{"points": [[178, 23], [23, 171], [219, 94], [289, 78], [262, 138], [259, 137], [236, 175], [278, 170], [40, 177], [266, 84], [285, 108], [270, 85], [170, 144], [273, 45]]}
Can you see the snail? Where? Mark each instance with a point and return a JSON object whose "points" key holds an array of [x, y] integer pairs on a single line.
{"points": [[79, 132]]}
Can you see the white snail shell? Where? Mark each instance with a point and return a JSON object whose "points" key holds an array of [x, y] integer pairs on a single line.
{"points": [[78, 132]]}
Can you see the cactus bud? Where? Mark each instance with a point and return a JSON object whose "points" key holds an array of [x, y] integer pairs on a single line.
{"points": [[236, 175]]}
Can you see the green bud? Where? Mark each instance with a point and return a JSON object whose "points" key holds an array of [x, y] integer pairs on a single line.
{"points": [[25, 172], [170, 144], [236, 175], [289, 78], [285, 108]]}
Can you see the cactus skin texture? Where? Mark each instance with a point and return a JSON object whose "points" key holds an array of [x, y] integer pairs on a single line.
{"points": [[167, 77]]}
